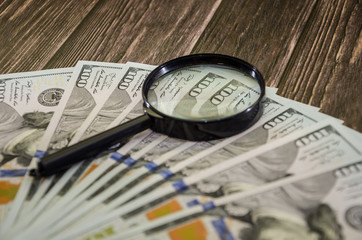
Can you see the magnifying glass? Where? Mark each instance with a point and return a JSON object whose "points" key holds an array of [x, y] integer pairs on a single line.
{"points": [[197, 97]]}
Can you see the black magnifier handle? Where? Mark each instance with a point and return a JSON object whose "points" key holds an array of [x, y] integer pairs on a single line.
{"points": [[88, 148]]}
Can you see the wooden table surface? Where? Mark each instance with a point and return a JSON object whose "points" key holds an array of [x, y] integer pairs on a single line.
{"points": [[309, 49]]}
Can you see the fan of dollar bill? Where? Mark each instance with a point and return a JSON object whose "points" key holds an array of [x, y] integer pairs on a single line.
{"points": [[295, 174]]}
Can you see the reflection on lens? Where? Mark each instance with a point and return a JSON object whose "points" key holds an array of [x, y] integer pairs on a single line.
{"points": [[204, 92]]}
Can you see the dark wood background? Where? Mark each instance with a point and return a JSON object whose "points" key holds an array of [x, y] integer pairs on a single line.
{"points": [[309, 49]]}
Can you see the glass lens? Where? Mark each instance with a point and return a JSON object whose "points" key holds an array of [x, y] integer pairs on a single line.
{"points": [[203, 92]]}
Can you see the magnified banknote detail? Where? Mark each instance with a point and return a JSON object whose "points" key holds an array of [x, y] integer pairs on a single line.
{"points": [[204, 92]]}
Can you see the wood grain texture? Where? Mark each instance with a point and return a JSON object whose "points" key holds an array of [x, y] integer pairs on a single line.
{"points": [[142, 31], [325, 68], [263, 33], [310, 50], [32, 31]]}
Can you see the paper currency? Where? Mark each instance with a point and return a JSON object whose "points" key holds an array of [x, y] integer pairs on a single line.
{"points": [[83, 92], [87, 86], [27, 105], [227, 188], [203, 227], [122, 102], [100, 184], [322, 204], [306, 155], [246, 140], [119, 184], [168, 144], [120, 99], [89, 82], [28, 102], [114, 75]]}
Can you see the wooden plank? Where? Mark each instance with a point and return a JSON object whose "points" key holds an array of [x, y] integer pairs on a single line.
{"points": [[304, 48], [325, 69], [263, 33], [150, 31], [32, 31]]}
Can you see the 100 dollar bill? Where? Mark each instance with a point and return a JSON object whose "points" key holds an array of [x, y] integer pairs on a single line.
{"points": [[321, 204], [28, 102], [335, 134], [84, 90], [118, 184]]}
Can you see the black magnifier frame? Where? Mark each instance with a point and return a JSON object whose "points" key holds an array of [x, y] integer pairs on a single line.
{"points": [[203, 130], [188, 129]]}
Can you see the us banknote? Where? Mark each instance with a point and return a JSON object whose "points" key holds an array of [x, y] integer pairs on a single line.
{"points": [[307, 155], [170, 143], [109, 183], [321, 204], [289, 120], [269, 107], [122, 104], [83, 91], [28, 102], [119, 103], [116, 185]]}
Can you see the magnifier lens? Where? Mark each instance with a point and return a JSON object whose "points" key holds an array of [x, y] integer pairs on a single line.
{"points": [[203, 92]]}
